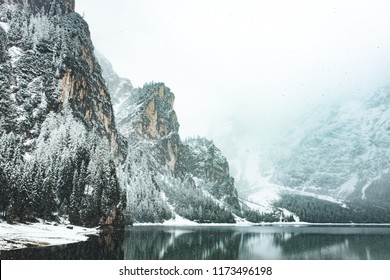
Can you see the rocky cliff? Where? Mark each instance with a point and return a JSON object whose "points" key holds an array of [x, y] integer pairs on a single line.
{"points": [[189, 179], [146, 115], [55, 107], [52, 54], [157, 123], [206, 163]]}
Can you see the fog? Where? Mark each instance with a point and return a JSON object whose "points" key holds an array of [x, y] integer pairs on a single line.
{"points": [[240, 70]]}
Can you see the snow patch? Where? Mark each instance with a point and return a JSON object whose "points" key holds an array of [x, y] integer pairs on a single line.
{"points": [[179, 221], [262, 198], [349, 186], [241, 221], [286, 213], [257, 207], [88, 190], [5, 26], [15, 53], [322, 197], [366, 186], [18, 236]]}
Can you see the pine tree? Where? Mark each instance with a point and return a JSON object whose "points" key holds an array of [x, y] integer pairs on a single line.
{"points": [[49, 205], [4, 191], [75, 200]]}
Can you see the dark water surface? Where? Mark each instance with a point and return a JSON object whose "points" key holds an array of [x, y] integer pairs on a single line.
{"points": [[228, 242]]}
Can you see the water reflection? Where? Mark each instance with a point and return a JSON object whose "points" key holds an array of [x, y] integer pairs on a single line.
{"points": [[178, 243], [214, 243], [271, 242]]}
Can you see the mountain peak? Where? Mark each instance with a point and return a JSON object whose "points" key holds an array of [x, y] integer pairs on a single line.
{"points": [[158, 118]]}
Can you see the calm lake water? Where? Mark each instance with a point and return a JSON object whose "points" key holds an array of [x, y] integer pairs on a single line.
{"points": [[230, 242]]}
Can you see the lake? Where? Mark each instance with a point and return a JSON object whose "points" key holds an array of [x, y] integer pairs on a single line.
{"points": [[274, 242]]}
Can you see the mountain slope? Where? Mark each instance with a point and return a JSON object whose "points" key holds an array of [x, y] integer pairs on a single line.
{"points": [[189, 179], [331, 165], [209, 167], [343, 153], [58, 138]]}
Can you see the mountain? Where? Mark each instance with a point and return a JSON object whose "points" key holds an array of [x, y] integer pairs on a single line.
{"points": [[328, 163], [59, 145], [207, 164], [335, 157], [61, 155], [167, 177], [342, 151], [170, 164], [118, 87]]}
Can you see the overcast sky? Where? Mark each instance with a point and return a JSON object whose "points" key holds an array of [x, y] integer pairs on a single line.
{"points": [[249, 64]]}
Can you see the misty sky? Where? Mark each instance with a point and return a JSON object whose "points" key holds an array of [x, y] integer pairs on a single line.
{"points": [[245, 66]]}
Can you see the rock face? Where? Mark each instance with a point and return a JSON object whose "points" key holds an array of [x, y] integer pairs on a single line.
{"points": [[53, 55], [157, 122], [206, 162], [49, 79], [191, 178], [145, 115]]}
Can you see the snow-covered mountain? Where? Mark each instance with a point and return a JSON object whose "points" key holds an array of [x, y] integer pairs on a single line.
{"points": [[333, 160], [342, 151], [334, 155], [60, 152], [208, 166], [59, 144], [189, 179]]}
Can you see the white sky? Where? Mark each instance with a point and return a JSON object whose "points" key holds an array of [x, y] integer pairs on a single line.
{"points": [[249, 64]]}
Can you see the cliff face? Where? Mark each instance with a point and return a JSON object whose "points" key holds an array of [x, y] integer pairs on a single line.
{"points": [[157, 122], [52, 89], [145, 115], [51, 56], [81, 80]]}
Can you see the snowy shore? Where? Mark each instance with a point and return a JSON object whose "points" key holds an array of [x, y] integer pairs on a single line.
{"points": [[18, 236]]}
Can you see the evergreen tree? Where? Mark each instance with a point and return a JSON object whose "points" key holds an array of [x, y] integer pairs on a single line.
{"points": [[49, 205], [4, 191], [75, 200]]}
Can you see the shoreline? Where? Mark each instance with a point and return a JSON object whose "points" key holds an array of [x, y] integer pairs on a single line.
{"points": [[41, 234], [256, 224], [182, 222]]}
